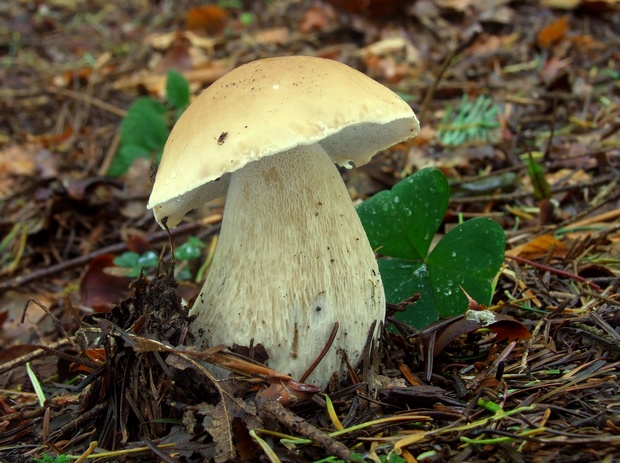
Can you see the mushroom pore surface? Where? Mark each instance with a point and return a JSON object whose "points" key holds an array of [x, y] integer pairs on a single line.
{"points": [[292, 259]]}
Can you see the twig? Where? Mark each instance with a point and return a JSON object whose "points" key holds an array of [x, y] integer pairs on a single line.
{"points": [[604, 179], [159, 452], [54, 318], [580, 215], [604, 217], [557, 271], [444, 67], [298, 425], [88, 99], [552, 131], [35, 354], [110, 154], [322, 354], [83, 260], [80, 419]]}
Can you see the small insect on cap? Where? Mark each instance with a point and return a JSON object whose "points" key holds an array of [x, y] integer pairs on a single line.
{"points": [[268, 106]]}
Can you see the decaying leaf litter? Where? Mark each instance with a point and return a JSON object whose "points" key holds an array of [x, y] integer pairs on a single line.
{"points": [[543, 79]]}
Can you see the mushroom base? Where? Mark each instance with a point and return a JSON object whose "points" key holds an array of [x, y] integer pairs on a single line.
{"points": [[291, 261]]}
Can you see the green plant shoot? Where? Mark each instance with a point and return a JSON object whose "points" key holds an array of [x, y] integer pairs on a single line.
{"points": [[542, 189]]}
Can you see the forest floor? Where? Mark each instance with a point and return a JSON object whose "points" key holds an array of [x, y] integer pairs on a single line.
{"points": [[87, 373]]}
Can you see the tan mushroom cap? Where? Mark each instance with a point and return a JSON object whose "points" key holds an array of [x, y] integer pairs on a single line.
{"points": [[269, 106]]}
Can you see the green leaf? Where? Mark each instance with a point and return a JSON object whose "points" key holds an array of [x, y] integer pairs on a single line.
{"points": [[192, 249], [125, 156], [402, 223], [45, 458], [136, 262], [150, 259], [143, 134], [402, 279], [469, 256], [247, 18], [177, 90], [36, 385], [127, 259], [486, 185], [184, 274], [394, 458], [145, 125]]}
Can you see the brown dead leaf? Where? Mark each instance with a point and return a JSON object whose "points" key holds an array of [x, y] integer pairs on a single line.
{"points": [[136, 242], [509, 330], [100, 290], [592, 6], [554, 71], [562, 4], [18, 160], [82, 75], [12, 330], [210, 19], [273, 35], [456, 5], [390, 59], [552, 33], [451, 331], [156, 83], [501, 14], [370, 8], [539, 247], [446, 331], [592, 271], [386, 69], [587, 43], [163, 40], [218, 421], [176, 57], [315, 19], [13, 352]]}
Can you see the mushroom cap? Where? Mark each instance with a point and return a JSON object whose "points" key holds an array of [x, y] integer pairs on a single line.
{"points": [[269, 106]]}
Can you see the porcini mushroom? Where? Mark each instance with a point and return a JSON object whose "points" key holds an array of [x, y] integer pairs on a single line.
{"points": [[292, 258]]}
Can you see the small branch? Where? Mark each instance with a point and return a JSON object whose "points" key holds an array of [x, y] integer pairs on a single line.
{"points": [[40, 352], [55, 319], [547, 268], [88, 99], [444, 67], [83, 260], [275, 410], [602, 180], [322, 354]]}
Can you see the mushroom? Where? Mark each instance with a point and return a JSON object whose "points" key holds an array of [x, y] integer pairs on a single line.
{"points": [[292, 258]]}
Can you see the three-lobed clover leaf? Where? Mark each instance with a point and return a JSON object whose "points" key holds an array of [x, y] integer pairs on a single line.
{"points": [[401, 224]]}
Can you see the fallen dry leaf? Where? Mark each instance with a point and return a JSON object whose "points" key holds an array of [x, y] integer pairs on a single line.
{"points": [[274, 35], [210, 19], [316, 19], [100, 290], [219, 419], [539, 247], [553, 33]]}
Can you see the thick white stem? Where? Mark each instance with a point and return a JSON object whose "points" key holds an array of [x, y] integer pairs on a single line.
{"points": [[292, 259]]}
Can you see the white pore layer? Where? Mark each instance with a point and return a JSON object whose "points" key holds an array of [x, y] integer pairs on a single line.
{"points": [[292, 259]]}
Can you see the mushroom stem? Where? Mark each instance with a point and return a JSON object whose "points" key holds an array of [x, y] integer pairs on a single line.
{"points": [[292, 259]]}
